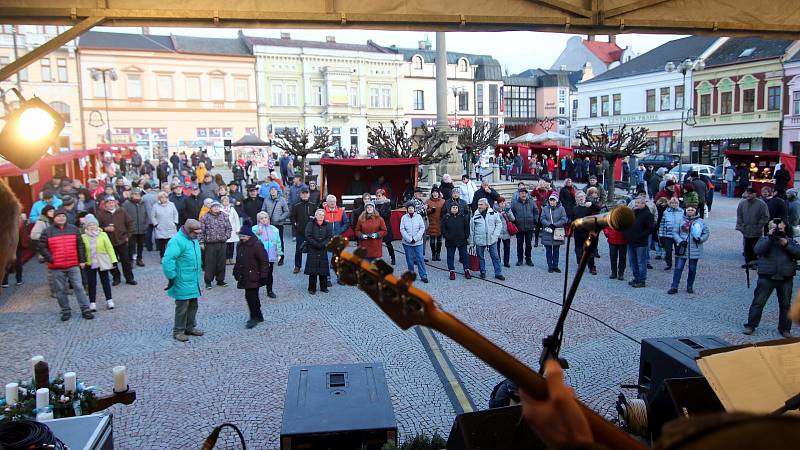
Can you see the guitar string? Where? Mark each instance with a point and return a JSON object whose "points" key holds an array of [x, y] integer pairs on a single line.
{"points": [[578, 311]]}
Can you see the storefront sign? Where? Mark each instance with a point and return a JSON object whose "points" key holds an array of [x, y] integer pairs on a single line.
{"points": [[632, 118], [431, 123]]}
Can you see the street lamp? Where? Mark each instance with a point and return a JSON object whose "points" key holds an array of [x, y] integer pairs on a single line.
{"points": [[104, 73], [687, 115], [456, 92]]}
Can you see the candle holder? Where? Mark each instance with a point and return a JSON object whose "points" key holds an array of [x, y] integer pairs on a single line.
{"points": [[127, 388]]}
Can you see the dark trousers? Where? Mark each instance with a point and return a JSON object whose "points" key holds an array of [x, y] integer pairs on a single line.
{"points": [[312, 282], [462, 255], [185, 316], [269, 277], [617, 254], [124, 260], [667, 243], [136, 246], [214, 262], [229, 248], [579, 254], [390, 249], [536, 232], [505, 246], [253, 303], [749, 249], [764, 288], [148, 238], [91, 280], [551, 254], [524, 239], [280, 236], [298, 253], [162, 246], [17, 268], [436, 245]]}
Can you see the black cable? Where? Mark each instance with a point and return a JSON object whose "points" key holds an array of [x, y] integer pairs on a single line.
{"points": [[211, 440], [600, 321], [27, 434]]}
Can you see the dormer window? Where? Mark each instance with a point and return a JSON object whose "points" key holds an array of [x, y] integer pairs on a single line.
{"points": [[463, 65], [747, 52], [417, 62]]}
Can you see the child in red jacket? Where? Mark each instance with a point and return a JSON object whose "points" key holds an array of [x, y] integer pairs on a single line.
{"points": [[617, 251]]}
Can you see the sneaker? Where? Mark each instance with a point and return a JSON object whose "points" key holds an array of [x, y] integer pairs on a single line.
{"points": [[251, 323], [467, 275], [689, 290], [194, 332], [209, 286], [593, 271], [612, 276], [296, 270], [556, 270], [140, 263], [330, 284], [132, 282], [452, 275], [92, 306], [65, 316], [280, 261], [424, 280], [181, 337], [483, 275], [87, 315], [529, 263], [500, 277], [19, 283], [5, 285], [748, 330], [271, 294], [672, 291], [324, 290], [110, 304], [222, 284], [786, 333]]}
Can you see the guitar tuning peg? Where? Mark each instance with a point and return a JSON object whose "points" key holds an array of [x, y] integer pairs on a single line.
{"points": [[383, 267]]}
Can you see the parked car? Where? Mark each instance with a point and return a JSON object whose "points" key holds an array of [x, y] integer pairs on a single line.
{"points": [[718, 177], [683, 169], [658, 160]]}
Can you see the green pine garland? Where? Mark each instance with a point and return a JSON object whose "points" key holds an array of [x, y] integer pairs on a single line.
{"points": [[62, 403]]}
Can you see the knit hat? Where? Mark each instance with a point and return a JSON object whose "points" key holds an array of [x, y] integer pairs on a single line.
{"points": [[369, 203], [553, 195], [215, 203], [411, 203], [90, 218], [67, 200], [247, 229], [136, 190], [60, 211], [110, 198]]}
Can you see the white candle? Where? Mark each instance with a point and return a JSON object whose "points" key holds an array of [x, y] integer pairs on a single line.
{"points": [[35, 360], [120, 379], [44, 416], [12, 393], [70, 382], [42, 398]]}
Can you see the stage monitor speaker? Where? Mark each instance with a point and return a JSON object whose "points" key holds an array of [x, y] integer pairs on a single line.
{"points": [[337, 407], [90, 432], [497, 428], [672, 357], [680, 397]]}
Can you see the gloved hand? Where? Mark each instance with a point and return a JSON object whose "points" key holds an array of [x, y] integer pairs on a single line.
{"points": [[364, 237], [375, 235], [552, 227], [170, 283]]}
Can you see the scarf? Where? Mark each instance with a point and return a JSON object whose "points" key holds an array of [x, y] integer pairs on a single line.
{"points": [[93, 247], [267, 237]]}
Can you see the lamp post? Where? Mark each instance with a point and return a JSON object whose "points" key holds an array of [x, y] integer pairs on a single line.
{"points": [[456, 91], [687, 115], [104, 73]]}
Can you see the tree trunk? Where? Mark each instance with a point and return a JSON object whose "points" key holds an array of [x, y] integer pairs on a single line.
{"points": [[610, 176]]}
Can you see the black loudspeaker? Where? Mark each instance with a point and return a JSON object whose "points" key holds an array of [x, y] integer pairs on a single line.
{"points": [[672, 357], [337, 407], [498, 428]]}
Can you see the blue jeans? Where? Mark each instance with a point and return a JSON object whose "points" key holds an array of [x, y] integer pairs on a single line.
{"points": [[637, 256], [730, 189], [764, 288], [551, 254], [462, 254], [493, 254], [414, 256], [508, 172], [680, 263]]}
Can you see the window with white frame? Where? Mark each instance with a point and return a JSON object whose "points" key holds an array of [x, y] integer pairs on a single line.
{"points": [[278, 95], [374, 97], [291, 94], [353, 96], [316, 94], [796, 103], [193, 88], [284, 93], [47, 74], [386, 96], [418, 62], [164, 84], [99, 88], [773, 98], [666, 103], [679, 97], [61, 65], [218, 89], [479, 99], [562, 102], [419, 100], [134, 85], [241, 89], [463, 101], [63, 109], [463, 65]]}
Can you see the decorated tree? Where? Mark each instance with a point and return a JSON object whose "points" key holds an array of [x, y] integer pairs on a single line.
{"points": [[303, 143], [612, 146], [477, 138], [423, 143]]}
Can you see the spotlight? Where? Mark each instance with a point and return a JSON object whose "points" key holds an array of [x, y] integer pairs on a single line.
{"points": [[29, 131]]}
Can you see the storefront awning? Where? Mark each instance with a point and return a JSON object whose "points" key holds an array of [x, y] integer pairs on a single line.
{"points": [[738, 131]]}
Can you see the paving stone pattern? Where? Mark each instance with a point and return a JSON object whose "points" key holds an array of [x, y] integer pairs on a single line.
{"points": [[237, 375]]}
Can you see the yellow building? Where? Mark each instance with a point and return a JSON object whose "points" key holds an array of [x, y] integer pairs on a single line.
{"points": [[54, 78], [178, 93]]}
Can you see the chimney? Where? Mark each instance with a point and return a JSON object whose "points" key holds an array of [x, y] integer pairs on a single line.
{"points": [[612, 38], [422, 45], [428, 45], [330, 39], [285, 36], [590, 38], [588, 73]]}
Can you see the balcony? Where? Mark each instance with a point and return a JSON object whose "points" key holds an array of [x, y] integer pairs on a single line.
{"points": [[758, 116]]}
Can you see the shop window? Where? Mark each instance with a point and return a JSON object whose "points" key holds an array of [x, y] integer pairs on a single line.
{"points": [[651, 100], [748, 100]]}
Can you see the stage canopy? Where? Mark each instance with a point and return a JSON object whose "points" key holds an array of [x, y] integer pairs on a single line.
{"points": [[250, 140]]}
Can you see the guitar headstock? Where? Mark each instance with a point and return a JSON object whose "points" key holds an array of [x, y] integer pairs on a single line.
{"points": [[397, 297]]}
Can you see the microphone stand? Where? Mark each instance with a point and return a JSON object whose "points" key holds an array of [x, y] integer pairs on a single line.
{"points": [[551, 345]]}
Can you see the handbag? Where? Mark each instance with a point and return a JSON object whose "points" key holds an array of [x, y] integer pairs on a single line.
{"points": [[681, 247], [510, 226], [558, 233], [474, 261]]}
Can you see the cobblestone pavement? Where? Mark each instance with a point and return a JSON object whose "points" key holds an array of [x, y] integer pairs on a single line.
{"points": [[238, 375]]}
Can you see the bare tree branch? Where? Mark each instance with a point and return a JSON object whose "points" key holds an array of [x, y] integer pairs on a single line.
{"points": [[478, 137], [303, 143], [395, 142], [612, 146]]}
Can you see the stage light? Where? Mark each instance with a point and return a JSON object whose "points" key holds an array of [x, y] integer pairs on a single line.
{"points": [[29, 131]]}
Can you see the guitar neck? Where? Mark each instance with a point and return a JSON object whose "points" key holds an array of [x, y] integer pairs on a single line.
{"points": [[524, 377]]}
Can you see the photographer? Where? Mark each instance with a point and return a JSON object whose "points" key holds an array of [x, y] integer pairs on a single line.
{"points": [[776, 268]]}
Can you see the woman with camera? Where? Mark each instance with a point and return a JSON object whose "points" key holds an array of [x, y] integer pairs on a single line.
{"points": [[689, 238]]}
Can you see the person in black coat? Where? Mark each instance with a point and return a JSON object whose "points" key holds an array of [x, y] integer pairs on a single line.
{"points": [[301, 214], [251, 271], [638, 237], [192, 204], [384, 207], [484, 192], [252, 205], [318, 233], [584, 208], [455, 229]]}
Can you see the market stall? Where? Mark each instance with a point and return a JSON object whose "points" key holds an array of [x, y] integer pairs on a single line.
{"points": [[761, 165], [528, 150]]}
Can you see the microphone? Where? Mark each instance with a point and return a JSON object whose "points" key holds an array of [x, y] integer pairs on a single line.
{"points": [[620, 218]]}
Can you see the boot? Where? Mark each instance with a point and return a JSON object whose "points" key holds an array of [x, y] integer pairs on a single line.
{"points": [[452, 275], [467, 275]]}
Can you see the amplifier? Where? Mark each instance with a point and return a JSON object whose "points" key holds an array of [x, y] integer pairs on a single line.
{"points": [[500, 428], [338, 407], [91, 432], [672, 357]]}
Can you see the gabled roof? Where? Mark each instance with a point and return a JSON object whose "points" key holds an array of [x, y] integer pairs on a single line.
{"points": [[552, 78], [191, 44], [296, 43], [795, 58], [739, 50], [655, 60], [607, 52], [488, 67], [125, 41]]}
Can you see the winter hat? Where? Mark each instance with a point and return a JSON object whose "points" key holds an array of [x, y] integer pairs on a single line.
{"points": [[207, 202], [136, 190], [215, 203], [553, 195], [67, 200], [247, 229], [110, 198], [90, 218], [369, 203], [60, 211]]}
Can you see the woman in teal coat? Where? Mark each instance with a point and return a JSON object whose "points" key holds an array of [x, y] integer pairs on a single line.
{"points": [[181, 266]]}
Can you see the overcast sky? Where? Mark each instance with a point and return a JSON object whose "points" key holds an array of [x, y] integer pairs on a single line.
{"points": [[516, 50]]}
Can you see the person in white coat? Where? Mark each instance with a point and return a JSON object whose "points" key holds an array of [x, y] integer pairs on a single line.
{"points": [[236, 224], [467, 189], [484, 232], [164, 218], [412, 227]]}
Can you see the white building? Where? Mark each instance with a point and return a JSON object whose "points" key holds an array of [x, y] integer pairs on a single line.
{"points": [[641, 93], [345, 87]]}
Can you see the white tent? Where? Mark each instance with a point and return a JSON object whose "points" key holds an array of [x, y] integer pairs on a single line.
{"points": [[549, 136], [524, 139]]}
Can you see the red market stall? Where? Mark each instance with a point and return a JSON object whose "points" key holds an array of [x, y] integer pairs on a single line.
{"points": [[762, 167], [527, 150]]}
